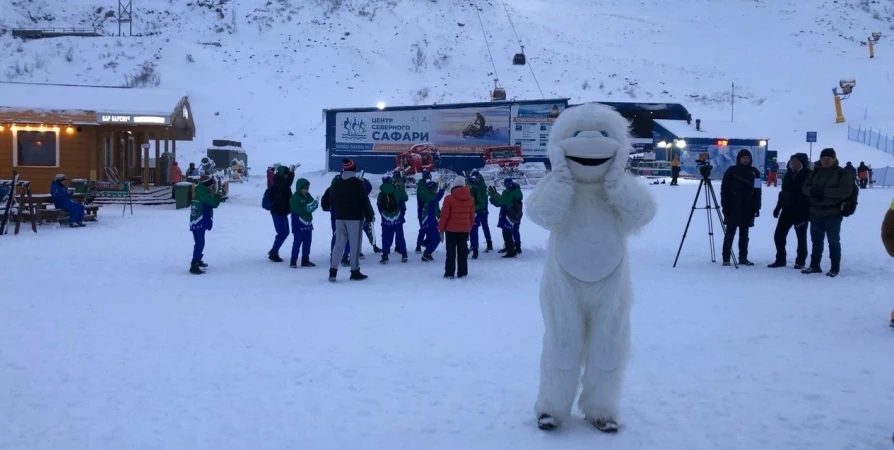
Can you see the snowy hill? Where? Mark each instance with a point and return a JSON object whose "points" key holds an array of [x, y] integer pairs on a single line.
{"points": [[262, 71]]}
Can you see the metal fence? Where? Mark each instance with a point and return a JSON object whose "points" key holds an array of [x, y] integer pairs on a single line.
{"points": [[873, 138]]}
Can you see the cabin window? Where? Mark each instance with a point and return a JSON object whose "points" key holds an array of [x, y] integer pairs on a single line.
{"points": [[36, 148], [107, 152], [132, 152]]}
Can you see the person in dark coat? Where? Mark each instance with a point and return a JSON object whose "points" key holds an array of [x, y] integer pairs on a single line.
{"points": [[828, 187], [863, 175], [740, 199], [280, 197], [349, 200], [849, 167], [792, 210]]}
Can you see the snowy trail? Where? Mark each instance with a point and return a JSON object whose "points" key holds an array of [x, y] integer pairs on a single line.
{"points": [[116, 346]]}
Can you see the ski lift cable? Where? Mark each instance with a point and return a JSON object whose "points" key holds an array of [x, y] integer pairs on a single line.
{"points": [[508, 16], [486, 43]]}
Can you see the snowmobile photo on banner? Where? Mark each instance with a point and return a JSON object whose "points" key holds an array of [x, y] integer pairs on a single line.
{"points": [[478, 128]]}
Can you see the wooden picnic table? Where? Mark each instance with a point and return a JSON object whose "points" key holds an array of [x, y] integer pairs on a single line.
{"points": [[45, 211]]}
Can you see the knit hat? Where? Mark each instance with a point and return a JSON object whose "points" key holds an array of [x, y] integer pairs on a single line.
{"points": [[348, 165], [830, 152], [458, 182]]}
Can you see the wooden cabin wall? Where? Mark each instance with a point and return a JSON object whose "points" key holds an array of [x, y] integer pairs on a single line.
{"points": [[76, 159]]}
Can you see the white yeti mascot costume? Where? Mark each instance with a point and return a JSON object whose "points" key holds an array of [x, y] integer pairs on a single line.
{"points": [[590, 206]]}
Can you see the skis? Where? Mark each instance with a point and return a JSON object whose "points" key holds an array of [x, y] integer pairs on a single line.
{"points": [[368, 227], [7, 208]]}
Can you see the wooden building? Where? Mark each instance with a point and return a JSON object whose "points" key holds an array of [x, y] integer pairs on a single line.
{"points": [[80, 131]]}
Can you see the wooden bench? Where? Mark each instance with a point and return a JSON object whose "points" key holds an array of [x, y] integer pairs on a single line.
{"points": [[46, 212]]}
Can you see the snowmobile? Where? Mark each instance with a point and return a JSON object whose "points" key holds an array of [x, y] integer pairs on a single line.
{"points": [[472, 131], [422, 156], [508, 159]]}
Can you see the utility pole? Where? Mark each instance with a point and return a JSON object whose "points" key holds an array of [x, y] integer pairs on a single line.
{"points": [[125, 15]]}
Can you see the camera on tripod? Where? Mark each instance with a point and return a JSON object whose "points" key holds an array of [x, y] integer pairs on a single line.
{"points": [[704, 166]]}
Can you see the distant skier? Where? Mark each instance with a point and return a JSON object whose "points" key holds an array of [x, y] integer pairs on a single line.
{"points": [[201, 219]]}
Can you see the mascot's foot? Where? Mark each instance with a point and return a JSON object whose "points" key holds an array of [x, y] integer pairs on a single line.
{"points": [[546, 422], [604, 425]]}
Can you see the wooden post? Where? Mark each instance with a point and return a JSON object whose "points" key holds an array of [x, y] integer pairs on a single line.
{"points": [[158, 177], [145, 148]]}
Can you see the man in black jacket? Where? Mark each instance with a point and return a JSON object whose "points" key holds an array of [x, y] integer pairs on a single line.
{"points": [[793, 210], [740, 198], [280, 195], [348, 198]]}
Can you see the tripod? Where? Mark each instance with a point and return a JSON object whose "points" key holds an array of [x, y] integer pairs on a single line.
{"points": [[710, 198]]}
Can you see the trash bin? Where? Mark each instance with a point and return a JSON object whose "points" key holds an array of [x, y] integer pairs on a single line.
{"points": [[79, 185], [182, 194]]}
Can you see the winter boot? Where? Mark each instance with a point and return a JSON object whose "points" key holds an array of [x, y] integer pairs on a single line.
{"points": [[502, 250], [73, 225], [604, 425], [475, 253], [814, 267], [726, 264], [293, 263], [307, 263], [202, 264], [490, 247], [449, 276], [345, 262], [81, 224], [427, 257], [194, 268], [418, 250], [274, 256], [798, 266], [510, 254], [833, 272], [745, 262], [361, 255], [546, 422], [518, 248], [332, 274], [776, 264], [357, 276], [404, 258], [384, 259]]}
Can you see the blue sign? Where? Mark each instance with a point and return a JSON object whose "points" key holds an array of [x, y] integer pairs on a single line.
{"points": [[811, 136]]}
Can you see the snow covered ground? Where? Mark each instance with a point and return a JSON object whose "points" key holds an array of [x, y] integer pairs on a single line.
{"points": [[107, 342]]}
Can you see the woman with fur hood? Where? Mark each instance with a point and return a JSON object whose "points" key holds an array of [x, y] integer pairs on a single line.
{"points": [[793, 210]]}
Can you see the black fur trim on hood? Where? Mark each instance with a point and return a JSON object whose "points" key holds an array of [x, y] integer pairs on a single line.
{"points": [[803, 159], [744, 152]]}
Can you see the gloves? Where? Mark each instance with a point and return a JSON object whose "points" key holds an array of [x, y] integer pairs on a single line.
{"points": [[776, 213], [312, 206]]}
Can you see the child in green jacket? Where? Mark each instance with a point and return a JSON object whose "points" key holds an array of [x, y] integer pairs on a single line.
{"points": [[201, 219], [303, 206]]}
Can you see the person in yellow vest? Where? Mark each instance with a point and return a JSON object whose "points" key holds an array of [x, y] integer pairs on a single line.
{"points": [[675, 170], [888, 238]]}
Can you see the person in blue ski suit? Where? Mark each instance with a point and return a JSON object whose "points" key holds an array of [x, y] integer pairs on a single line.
{"points": [[479, 194], [420, 185], [62, 200], [391, 204], [431, 212]]}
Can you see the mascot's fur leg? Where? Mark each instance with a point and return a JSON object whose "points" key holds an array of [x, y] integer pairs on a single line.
{"points": [[563, 344], [608, 345]]}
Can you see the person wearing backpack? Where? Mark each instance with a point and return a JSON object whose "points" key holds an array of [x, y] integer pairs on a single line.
{"points": [[391, 203], [479, 193], [420, 208], [510, 203], [831, 190], [201, 219], [457, 220], [792, 210], [303, 206], [431, 197], [280, 195]]}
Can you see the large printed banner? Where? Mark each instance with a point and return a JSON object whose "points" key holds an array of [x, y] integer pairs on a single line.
{"points": [[462, 130], [531, 124]]}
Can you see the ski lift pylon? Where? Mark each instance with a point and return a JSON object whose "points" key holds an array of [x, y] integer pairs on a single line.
{"points": [[499, 93], [519, 59]]}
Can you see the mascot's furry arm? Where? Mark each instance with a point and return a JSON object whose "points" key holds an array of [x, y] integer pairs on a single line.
{"points": [[631, 200], [550, 203]]}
